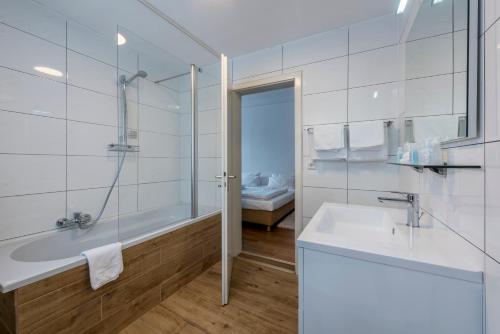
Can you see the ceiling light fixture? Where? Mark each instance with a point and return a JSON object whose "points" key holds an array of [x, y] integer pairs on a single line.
{"points": [[121, 39], [402, 6], [49, 71], [435, 2], [375, 94]]}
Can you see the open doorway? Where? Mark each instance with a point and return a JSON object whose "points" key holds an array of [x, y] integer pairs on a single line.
{"points": [[268, 175], [264, 149]]}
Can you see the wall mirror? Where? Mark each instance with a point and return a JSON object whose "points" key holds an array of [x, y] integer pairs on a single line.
{"points": [[439, 49]]}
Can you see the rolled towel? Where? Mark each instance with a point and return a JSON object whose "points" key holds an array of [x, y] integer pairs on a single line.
{"points": [[105, 264]]}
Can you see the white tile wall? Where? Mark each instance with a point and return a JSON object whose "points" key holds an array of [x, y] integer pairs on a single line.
{"points": [[429, 56], [492, 202], [331, 44], [54, 131], [374, 67], [373, 34], [268, 60], [330, 107], [429, 96], [374, 102], [323, 76], [314, 197]]}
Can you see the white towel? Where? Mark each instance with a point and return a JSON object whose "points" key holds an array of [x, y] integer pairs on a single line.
{"points": [[105, 264], [329, 137], [366, 135]]}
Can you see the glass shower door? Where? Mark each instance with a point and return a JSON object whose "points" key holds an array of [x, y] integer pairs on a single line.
{"points": [[155, 182]]}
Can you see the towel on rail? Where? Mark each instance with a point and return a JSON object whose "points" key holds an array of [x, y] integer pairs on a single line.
{"points": [[329, 137], [366, 135]]}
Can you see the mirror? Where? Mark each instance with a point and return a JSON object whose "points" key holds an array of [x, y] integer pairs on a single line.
{"points": [[439, 49]]}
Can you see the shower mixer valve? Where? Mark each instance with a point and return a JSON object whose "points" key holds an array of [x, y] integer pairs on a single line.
{"points": [[79, 219]]}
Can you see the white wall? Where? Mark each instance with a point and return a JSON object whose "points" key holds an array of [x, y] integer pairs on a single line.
{"points": [[341, 69], [54, 130], [268, 131], [465, 200]]}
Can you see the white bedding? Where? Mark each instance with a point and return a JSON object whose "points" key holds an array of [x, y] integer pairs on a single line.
{"points": [[270, 204], [263, 193]]}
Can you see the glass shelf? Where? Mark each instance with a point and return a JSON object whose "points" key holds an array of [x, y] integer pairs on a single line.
{"points": [[436, 168]]}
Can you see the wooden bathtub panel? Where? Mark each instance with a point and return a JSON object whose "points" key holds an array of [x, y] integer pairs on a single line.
{"points": [[65, 303]]}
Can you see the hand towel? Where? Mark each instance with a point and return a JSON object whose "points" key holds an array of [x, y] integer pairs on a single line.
{"points": [[366, 135], [329, 137], [105, 264]]}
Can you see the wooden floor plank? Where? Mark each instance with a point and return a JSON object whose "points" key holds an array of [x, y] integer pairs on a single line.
{"points": [[277, 244], [262, 300]]}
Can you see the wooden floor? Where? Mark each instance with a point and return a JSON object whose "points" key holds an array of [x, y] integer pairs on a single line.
{"points": [[277, 244], [262, 300]]}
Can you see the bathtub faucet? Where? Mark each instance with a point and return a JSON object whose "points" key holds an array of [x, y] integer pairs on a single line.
{"points": [[81, 220]]}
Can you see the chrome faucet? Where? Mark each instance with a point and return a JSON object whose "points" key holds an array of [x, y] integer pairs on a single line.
{"points": [[80, 220], [413, 216]]}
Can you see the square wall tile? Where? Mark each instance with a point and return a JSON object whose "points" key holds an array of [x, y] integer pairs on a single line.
{"points": [[429, 56], [264, 61], [492, 202], [90, 139], [324, 108], [330, 174], [432, 20], [88, 106], [430, 96], [44, 211], [86, 172], [323, 46], [25, 52], [324, 76], [157, 145], [32, 94], [91, 74], [28, 134], [491, 82], [32, 174], [159, 169], [35, 19], [158, 120], [373, 176], [374, 102], [492, 291], [374, 67], [373, 34], [158, 195], [313, 198], [96, 44]]}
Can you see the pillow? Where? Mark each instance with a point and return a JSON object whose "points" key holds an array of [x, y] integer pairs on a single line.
{"points": [[250, 179], [278, 181]]}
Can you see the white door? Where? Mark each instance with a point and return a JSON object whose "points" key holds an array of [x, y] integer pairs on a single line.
{"points": [[231, 180]]}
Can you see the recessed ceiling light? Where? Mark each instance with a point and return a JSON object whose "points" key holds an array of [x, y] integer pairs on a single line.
{"points": [[121, 39], [402, 6], [435, 2], [375, 94], [48, 70]]}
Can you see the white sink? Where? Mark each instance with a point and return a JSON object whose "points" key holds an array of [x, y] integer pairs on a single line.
{"points": [[363, 263]]}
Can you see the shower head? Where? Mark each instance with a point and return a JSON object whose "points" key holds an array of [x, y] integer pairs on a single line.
{"points": [[140, 74]]}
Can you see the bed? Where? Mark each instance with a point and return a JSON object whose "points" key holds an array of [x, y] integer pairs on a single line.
{"points": [[266, 206]]}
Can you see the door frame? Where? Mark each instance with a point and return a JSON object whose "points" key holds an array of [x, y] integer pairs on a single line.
{"points": [[286, 80]]}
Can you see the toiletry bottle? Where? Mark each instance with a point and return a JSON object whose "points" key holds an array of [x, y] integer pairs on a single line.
{"points": [[413, 153], [400, 153]]}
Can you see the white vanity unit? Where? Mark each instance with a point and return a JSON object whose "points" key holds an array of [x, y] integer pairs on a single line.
{"points": [[362, 270]]}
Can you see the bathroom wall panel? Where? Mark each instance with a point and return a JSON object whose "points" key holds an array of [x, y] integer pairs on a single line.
{"points": [[492, 83], [85, 172], [460, 93], [86, 72], [44, 210], [373, 34], [25, 52], [29, 134], [429, 96], [327, 45], [492, 289], [264, 61], [458, 199], [322, 108], [32, 94], [313, 198], [92, 43], [329, 174], [31, 174], [434, 20], [429, 56], [96, 138], [374, 67], [90, 201], [88, 106], [374, 102], [325, 76], [492, 202], [35, 19]]}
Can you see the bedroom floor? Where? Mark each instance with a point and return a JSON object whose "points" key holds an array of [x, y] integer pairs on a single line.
{"points": [[262, 300], [278, 244]]}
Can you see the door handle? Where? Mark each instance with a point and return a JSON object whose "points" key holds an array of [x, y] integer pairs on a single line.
{"points": [[218, 176], [231, 177]]}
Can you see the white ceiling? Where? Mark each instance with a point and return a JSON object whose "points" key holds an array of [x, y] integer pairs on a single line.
{"points": [[237, 27]]}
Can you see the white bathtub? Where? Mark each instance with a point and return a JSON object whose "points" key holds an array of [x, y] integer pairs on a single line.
{"points": [[27, 260]]}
